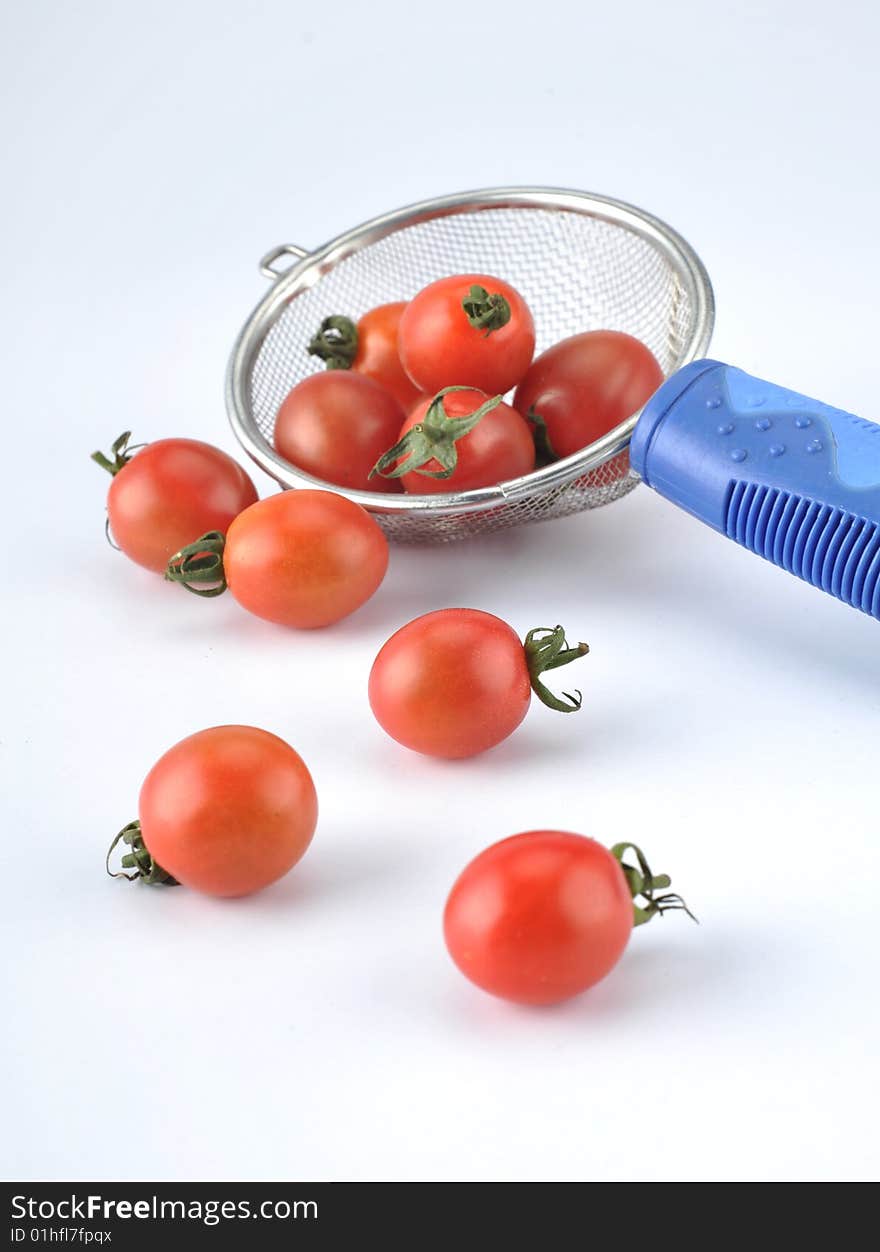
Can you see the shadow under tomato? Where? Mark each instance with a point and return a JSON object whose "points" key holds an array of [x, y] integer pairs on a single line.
{"points": [[666, 976], [655, 977], [342, 873]]}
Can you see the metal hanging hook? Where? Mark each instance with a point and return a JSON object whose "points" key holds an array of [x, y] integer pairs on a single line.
{"points": [[267, 262]]}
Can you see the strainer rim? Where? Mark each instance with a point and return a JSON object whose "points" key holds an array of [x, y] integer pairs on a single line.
{"points": [[680, 254]]}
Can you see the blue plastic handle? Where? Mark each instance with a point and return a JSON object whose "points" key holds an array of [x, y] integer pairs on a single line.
{"points": [[790, 478]]}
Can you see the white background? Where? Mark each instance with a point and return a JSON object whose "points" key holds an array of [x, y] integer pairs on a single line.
{"points": [[150, 155]]}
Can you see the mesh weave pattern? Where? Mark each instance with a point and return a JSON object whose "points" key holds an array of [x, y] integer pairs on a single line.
{"points": [[577, 272]]}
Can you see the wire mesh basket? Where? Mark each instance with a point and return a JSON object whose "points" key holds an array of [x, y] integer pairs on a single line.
{"points": [[582, 262]]}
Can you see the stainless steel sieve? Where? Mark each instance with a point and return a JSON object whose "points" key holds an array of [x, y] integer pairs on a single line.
{"points": [[581, 261]]}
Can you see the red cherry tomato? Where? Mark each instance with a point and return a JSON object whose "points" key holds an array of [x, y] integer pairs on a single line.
{"points": [[458, 681], [226, 811], [336, 425], [300, 558], [421, 402], [539, 917], [377, 352], [581, 388], [499, 447], [471, 329], [368, 347], [169, 493]]}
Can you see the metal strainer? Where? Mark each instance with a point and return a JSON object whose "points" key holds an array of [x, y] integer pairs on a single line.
{"points": [[581, 261]]}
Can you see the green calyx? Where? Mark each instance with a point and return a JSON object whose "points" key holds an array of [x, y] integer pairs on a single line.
{"points": [[543, 446], [199, 566], [336, 342], [644, 885], [546, 648], [486, 311], [137, 860], [120, 450], [432, 439]]}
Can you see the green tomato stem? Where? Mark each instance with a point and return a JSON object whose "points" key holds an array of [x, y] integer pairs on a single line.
{"points": [[546, 648], [199, 566], [486, 311], [137, 859], [644, 884], [336, 342], [432, 439], [543, 447], [121, 452]]}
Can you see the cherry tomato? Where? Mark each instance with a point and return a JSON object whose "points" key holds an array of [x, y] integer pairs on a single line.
{"points": [[168, 494], [581, 388], [539, 917], [458, 681], [378, 356], [368, 347], [470, 329], [226, 811], [299, 558], [454, 453], [336, 425]]}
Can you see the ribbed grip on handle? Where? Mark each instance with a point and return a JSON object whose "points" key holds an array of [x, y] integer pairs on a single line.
{"points": [[789, 478], [834, 550]]}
